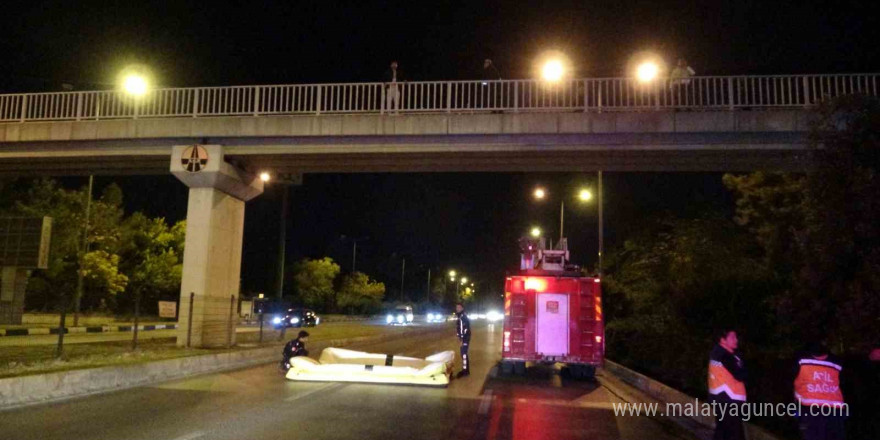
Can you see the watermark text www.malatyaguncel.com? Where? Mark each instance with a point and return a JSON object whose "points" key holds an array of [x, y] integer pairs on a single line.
{"points": [[742, 410]]}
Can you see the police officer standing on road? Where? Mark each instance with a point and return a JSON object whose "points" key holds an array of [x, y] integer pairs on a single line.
{"points": [[464, 336], [727, 388]]}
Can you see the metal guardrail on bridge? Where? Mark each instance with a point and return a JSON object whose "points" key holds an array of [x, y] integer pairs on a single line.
{"points": [[591, 94]]}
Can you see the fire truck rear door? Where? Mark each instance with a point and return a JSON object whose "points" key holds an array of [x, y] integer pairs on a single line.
{"points": [[552, 324]]}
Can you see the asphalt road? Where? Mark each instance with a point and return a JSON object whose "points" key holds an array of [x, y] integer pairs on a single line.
{"points": [[258, 403]]}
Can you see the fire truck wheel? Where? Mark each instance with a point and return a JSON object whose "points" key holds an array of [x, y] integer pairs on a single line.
{"points": [[519, 368], [582, 372]]}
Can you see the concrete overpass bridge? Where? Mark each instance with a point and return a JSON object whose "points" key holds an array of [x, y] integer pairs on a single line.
{"points": [[216, 139], [616, 124]]}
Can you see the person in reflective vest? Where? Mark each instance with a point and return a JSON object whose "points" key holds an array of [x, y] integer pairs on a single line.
{"points": [[727, 376], [817, 389]]}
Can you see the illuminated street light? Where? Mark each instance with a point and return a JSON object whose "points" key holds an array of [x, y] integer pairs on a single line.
{"points": [[536, 232], [464, 280], [540, 193], [647, 71], [135, 85], [552, 70], [452, 273], [585, 195], [265, 176]]}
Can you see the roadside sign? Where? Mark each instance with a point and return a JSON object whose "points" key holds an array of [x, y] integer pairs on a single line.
{"points": [[167, 309], [25, 241]]}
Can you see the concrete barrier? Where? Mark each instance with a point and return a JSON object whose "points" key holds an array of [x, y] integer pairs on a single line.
{"points": [[44, 388], [666, 394]]}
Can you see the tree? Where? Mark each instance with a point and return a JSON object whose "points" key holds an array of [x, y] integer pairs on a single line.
{"points": [[438, 289], [55, 285], [669, 288], [313, 282], [152, 257], [359, 293], [101, 273], [819, 231]]}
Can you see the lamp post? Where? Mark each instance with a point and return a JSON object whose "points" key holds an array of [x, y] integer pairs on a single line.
{"points": [[584, 195], [85, 247], [286, 181]]}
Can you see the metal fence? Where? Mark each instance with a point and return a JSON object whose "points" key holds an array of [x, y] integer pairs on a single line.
{"points": [[592, 94]]}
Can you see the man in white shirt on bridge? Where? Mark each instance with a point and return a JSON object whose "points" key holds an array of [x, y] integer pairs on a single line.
{"points": [[392, 89]]}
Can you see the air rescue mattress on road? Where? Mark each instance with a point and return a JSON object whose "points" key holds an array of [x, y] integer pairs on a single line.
{"points": [[340, 365]]}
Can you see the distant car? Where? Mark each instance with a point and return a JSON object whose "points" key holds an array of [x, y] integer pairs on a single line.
{"points": [[435, 317], [296, 318], [400, 315]]}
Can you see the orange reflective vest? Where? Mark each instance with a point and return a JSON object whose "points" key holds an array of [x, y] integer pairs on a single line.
{"points": [[721, 381], [818, 383]]}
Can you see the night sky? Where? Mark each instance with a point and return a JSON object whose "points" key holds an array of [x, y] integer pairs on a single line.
{"points": [[466, 221]]}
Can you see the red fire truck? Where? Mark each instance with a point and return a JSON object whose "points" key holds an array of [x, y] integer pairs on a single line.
{"points": [[552, 313]]}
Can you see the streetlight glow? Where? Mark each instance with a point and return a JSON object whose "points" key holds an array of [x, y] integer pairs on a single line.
{"points": [[464, 280], [536, 232], [540, 193], [452, 273], [265, 176], [552, 70], [585, 195], [647, 71], [135, 85]]}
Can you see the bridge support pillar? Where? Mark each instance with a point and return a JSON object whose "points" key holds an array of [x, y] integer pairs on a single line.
{"points": [[212, 254], [12, 288]]}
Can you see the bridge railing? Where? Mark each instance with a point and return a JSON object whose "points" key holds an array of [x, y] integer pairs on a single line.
{"points": [[589, 95]]}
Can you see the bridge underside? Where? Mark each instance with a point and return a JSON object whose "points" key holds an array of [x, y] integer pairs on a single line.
{"points": [[706, 152]]}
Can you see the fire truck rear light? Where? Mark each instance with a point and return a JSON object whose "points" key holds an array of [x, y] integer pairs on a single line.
{"points": [[598, 339], [597, 280], [536, 284], [506, 341]]}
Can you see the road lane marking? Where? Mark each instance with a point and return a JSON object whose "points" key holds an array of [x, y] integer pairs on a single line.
{"points": [[485, 403], [191, 436], [326, 387]]}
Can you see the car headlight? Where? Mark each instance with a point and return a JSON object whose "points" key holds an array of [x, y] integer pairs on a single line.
{"points": [[389, 318], [409, 317], [493, 316], [276, 320], [294, 320], [317, 320], [400, 319]]}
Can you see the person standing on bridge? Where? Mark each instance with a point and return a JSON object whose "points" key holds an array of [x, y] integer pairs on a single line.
{"points": [[489, 72], [463, 330], [727, 388], [680, 79], [392, 77]]}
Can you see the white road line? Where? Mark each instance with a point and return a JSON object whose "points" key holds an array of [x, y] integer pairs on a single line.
{"points": [[317, 390], [485, 403], [191, 436]]}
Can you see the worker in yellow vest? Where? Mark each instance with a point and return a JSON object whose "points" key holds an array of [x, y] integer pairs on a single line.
{"points": [[817, 390], [727, 388]]}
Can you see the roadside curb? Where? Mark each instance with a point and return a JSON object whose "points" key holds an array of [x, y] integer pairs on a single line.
{"points": [[17, 392], [91, 329], [650, 390]]}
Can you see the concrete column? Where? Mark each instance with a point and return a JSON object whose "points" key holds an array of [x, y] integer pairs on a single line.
{"points": [[12, 290], [212, 253]]}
